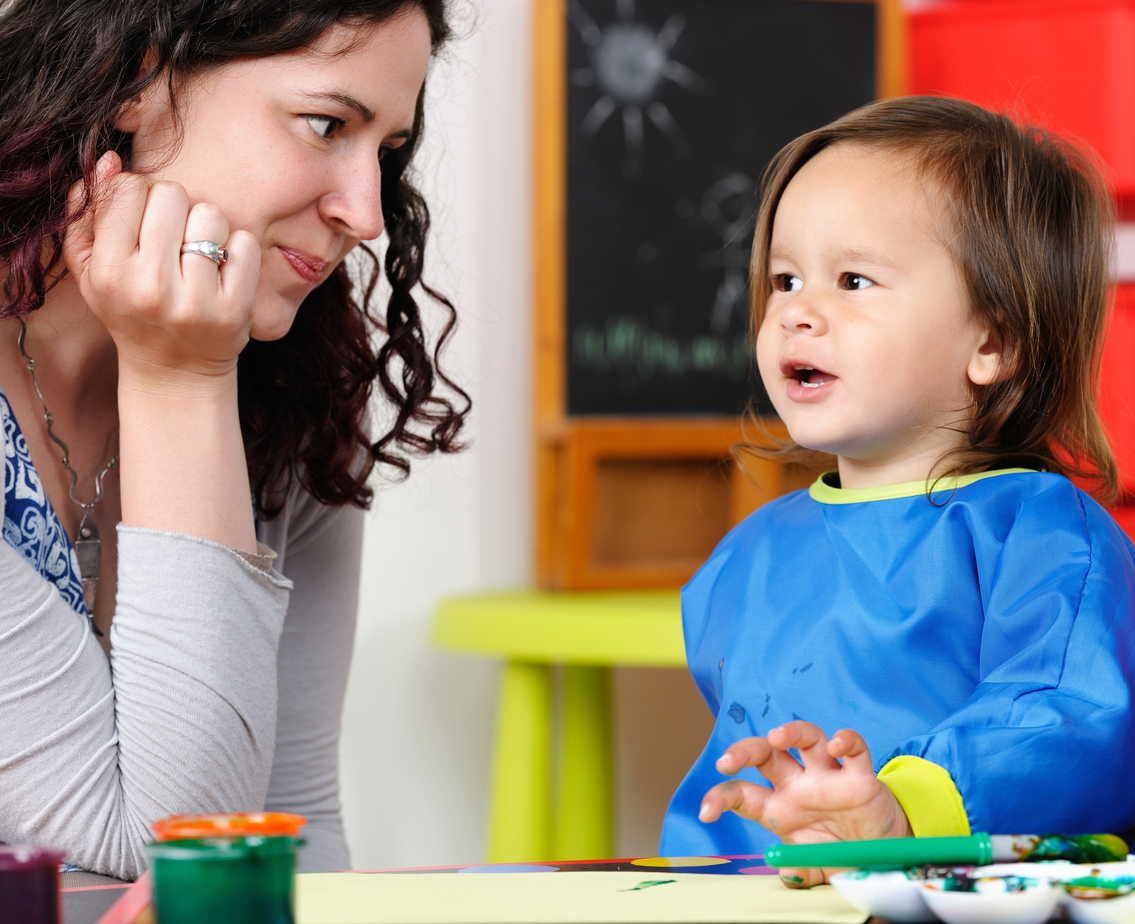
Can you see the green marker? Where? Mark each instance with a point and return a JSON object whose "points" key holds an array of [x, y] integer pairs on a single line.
{"points": [[975, 850]]}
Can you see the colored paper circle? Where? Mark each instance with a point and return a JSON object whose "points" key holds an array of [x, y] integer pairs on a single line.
{"points": [[680, 861], [758, 871], [510, 868]]}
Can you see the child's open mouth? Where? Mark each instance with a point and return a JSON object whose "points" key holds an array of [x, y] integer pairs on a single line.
{"points": [[810, 377]]}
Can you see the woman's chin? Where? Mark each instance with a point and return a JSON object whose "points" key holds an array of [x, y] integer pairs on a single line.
{"points": [[272, 318]]}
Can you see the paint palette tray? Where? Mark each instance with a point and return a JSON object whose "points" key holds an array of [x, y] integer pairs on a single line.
{"points": [[1005, 893]]}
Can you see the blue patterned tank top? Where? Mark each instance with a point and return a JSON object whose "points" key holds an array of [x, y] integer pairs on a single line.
{"points": [[30, 524]]}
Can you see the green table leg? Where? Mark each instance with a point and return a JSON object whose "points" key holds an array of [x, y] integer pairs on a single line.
{"points": [[584, 823], [519, 822]]}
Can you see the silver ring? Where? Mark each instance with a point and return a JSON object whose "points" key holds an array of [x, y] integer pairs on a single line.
{"points": [[208, 249]]}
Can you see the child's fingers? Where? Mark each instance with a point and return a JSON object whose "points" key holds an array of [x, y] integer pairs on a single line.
{"points": [[849, 746], [740, 796], [774, 765], [809, 740], [802, 878]]}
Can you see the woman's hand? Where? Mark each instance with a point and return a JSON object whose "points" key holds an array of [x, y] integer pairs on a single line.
{"points": [[179, 322], [816, 799], [170, 314]]}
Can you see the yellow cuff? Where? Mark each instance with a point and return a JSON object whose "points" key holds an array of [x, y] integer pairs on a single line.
{"points": [[929, 797]]}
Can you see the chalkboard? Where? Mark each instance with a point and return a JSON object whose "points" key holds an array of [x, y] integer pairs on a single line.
{"points": [[674, 107]]}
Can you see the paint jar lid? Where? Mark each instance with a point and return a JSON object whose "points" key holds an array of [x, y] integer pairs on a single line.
{"points": [[16, 857], [236, 824], [224, 848]]}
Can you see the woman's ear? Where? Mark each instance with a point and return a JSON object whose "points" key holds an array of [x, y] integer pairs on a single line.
{"points": [[129, 117], [991, 361]]}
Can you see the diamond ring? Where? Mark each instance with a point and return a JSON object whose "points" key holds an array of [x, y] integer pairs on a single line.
{"points": [[207, 249]]}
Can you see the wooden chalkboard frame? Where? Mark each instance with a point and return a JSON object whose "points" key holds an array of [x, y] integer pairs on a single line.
{"points": [[570, 452]]}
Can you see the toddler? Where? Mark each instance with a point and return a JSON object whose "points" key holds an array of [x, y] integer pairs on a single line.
{"points": [[930, 285]]}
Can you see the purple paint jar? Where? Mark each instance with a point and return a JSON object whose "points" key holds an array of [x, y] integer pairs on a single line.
{"points": [[29, 885]]}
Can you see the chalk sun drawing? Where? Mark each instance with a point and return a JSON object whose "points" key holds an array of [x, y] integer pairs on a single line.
{"points": [[629, 62]]}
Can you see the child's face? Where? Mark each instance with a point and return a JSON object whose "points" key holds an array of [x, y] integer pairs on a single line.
{"points": [[867, 296]]}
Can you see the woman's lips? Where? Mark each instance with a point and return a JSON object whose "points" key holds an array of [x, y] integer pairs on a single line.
{"points": [[309, 267]]}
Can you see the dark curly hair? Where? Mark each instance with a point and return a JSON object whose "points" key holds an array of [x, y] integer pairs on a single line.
{"points": [[1032, 223], [68, 69]]}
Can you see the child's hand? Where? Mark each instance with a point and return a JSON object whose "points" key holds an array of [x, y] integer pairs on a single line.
{"points": [[823, 800]]}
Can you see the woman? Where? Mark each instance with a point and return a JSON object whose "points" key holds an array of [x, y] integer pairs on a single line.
{"points": [[180, 182]]}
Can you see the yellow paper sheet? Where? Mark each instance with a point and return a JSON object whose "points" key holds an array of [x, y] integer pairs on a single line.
{"points": [[561, 898]]}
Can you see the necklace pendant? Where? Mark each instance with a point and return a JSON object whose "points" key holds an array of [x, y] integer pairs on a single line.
{"points": [[88, 550]]}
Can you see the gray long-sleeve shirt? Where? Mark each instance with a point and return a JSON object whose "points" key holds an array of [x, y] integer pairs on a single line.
{"points": [[223, 691]]}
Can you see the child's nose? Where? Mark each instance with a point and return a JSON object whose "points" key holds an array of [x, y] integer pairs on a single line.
{"points": [[803, 315]]}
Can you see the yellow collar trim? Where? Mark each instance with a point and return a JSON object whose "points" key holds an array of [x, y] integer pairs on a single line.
{"points": [[824, 493]]}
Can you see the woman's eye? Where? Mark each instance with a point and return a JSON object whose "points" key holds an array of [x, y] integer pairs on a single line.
{"points": [[854, 281], [325, 126], [785, 282]]}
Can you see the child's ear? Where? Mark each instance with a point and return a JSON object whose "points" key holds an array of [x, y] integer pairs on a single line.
{"points": [[991, 361]]}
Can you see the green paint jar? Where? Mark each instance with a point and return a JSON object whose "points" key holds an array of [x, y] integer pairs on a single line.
{"points": [[230, 880]]}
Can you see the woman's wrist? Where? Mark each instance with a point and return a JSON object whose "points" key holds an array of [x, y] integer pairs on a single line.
{"points": [[183, 467]]}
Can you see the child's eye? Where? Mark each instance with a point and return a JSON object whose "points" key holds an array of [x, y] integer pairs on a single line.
{"points": [[854, 281], [786, 282], [324, 126]]}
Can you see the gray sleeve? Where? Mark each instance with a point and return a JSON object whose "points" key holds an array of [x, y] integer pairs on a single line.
{"points": [[182, 719], [322, 559]]}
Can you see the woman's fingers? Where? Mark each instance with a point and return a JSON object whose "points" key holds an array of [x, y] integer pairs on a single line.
{"points": [[774, 764], [241, 274], [740, 796], [115, 220], [200, 272], [849, 747], [79, 240], [809, 740]]}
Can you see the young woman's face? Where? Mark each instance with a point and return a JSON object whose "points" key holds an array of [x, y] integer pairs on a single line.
{"points": [[290, 147], [868, 348]]}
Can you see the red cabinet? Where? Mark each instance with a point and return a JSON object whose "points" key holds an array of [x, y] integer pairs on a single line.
{"points": [[1068, 65]]}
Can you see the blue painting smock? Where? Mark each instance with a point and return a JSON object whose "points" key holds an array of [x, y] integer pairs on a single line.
{"points": [[991, 632]]}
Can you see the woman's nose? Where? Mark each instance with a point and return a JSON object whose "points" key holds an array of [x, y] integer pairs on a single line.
{"points": [[355, 201]]}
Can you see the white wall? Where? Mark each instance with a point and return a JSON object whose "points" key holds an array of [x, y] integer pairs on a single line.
{"points": [[418, 723]]}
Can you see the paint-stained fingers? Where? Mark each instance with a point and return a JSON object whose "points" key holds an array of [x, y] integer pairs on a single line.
{"points": [[849, 747], [739, 796], [774, 765], [809, 740], [802, 878]]}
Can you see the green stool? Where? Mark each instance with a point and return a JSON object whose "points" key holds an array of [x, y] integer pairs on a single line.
{"points": [[588, 633]]}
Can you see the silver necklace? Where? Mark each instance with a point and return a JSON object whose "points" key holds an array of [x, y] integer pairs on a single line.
{"points": [[88, 542]]}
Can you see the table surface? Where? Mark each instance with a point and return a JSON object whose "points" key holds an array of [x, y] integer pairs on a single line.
{"points": [[633, 628], [87, 905]]}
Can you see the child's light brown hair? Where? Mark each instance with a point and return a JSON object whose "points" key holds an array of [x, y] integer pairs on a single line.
{"points": [[1033, 235]]}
